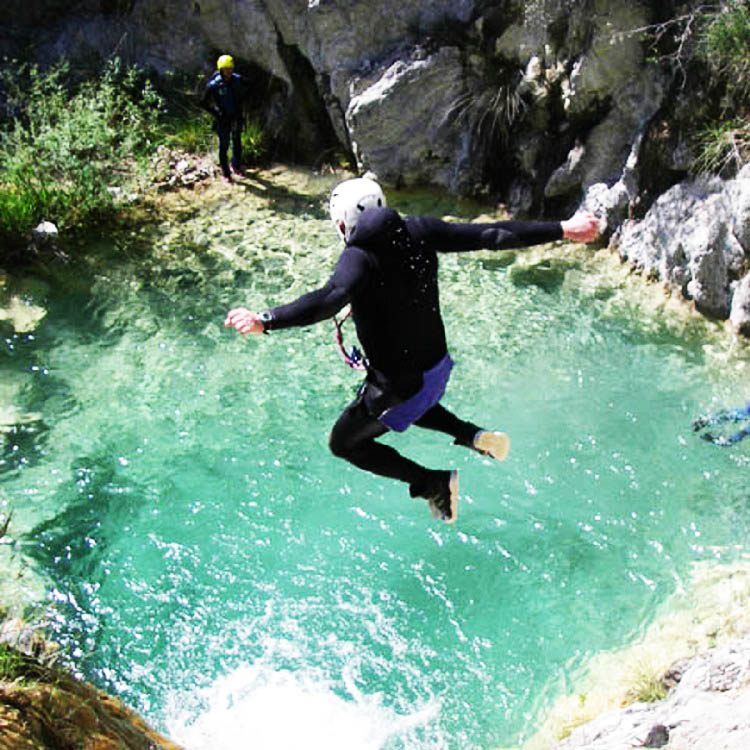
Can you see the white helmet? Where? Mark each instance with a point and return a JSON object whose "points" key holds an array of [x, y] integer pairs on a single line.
{"points": [[349, 199]]}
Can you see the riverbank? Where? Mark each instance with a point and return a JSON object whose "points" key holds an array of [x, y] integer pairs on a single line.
{"points": [[689, 672]]}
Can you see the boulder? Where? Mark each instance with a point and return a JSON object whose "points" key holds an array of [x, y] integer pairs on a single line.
{"points": [[423, 147], [708, 708], [695, 240], [739, 315]]}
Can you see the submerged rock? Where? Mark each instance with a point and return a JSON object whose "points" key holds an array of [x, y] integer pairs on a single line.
{"points": [[548, 274], [21, 304]]}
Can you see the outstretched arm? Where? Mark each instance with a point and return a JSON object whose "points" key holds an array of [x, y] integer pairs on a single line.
{"points": [[502, 235], [351, 271]]}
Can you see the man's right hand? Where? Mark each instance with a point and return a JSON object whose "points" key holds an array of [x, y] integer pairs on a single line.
{"points": [[244, 321]]}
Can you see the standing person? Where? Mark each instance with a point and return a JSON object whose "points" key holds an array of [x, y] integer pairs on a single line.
{"points": [[223, 98], [388, 273]]}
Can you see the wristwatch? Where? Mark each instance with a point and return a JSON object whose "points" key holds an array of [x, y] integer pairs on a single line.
{"points": [[266, 318]]}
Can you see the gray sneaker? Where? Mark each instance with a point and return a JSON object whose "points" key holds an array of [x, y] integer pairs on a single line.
{"points": [[493, 444]]}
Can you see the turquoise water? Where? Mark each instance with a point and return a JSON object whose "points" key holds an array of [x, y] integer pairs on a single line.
{"points": [[218, 569]]}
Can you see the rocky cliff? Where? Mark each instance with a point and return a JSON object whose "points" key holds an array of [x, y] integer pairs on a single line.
{"points": [[537, 100], [43, 706], [545, 104]]}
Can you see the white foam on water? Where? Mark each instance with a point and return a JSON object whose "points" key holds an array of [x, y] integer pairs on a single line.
{"points": [[257, 707]]}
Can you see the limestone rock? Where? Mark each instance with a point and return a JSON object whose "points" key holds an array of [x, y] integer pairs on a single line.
{"points": [[708, 708], [694, 239], [739, 316], [423, 147]]}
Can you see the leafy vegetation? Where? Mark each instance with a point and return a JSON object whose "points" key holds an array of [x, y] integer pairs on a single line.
{"points": [[65, 145], [725, 44], [254, 142], [723, 144], [13, 664], [10, 663], [188, 132]]}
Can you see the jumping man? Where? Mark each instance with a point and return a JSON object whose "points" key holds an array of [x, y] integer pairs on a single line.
{"points": [[388, 272]]}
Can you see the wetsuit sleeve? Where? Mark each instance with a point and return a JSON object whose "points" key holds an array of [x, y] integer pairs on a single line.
{"points": [[207, 101], [447, 237], [349, 275]]}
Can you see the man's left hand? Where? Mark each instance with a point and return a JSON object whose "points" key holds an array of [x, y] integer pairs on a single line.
{"points": [[582, 227]]}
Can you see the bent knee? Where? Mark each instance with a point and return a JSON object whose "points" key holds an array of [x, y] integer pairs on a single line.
{"points": [[340, 445]]}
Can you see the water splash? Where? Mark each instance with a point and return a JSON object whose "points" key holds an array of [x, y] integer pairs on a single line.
{"points": [[257, 707]]}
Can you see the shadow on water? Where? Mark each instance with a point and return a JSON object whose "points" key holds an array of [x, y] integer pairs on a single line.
{"points": [[281, 199]]}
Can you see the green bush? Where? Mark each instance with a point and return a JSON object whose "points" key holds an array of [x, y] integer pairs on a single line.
{"points": [[189, 132], [11, 663], [725, 45], [723, 145], [66, 144], [254, 143]]}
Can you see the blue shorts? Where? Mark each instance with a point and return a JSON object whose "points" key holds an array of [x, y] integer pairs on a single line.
{"points": [[434, 382]]}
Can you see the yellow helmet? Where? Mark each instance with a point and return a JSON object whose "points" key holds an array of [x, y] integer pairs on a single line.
{"points": [[225, 61]]}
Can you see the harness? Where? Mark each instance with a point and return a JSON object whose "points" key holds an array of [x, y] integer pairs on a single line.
{"points": [[354, 357]]}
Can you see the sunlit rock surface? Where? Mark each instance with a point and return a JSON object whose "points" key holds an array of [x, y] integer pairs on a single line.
{"points": [[696, 653], [708, 708], [43, 707], [695, 239]]}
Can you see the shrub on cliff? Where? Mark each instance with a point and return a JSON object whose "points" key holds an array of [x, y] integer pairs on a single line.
{"points": [[724, 45], [63, 145]]}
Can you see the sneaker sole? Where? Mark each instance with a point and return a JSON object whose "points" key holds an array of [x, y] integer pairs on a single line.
{"points": [[495, 444], [435, 510], [454, 497]]}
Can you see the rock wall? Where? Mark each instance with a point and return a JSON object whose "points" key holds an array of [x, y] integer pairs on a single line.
{"points": [[538, 100], [545, 104], [696, 240]]}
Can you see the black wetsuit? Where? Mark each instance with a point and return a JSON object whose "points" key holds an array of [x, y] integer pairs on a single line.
{"points": [[224, 99], [388, 272]]}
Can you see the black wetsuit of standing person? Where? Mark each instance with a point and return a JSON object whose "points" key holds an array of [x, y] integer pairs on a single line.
{"points": [[223, 98], [388, 272]]}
